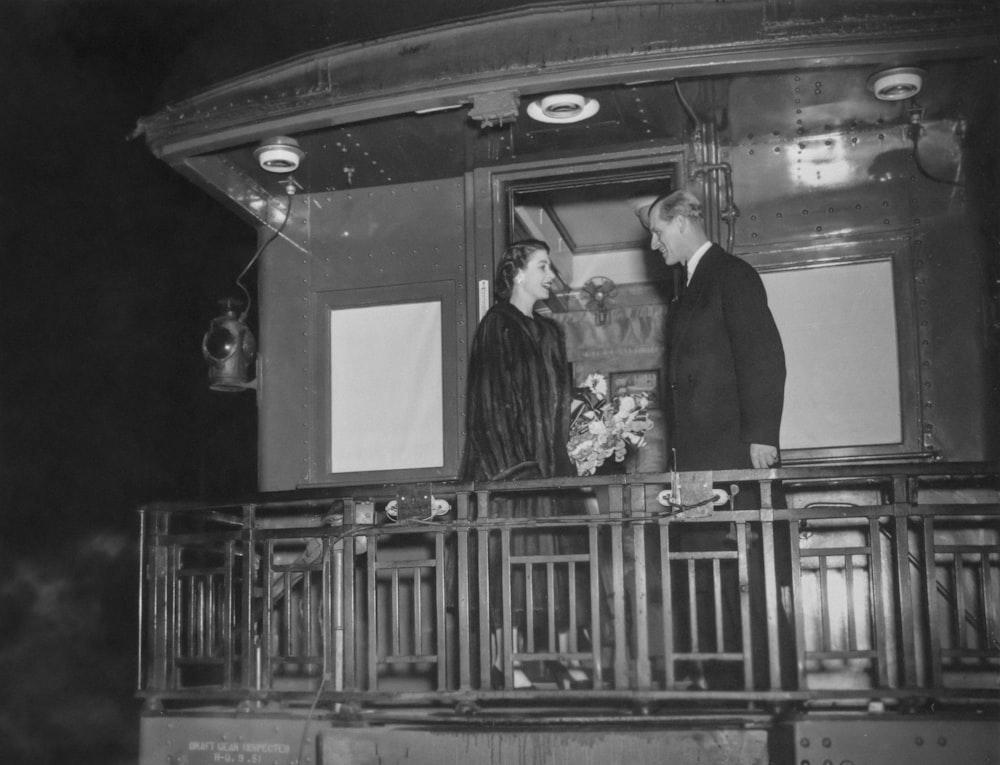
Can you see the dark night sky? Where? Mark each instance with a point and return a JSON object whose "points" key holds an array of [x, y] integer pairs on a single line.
{"points": [[110, 268], [111, 264]]}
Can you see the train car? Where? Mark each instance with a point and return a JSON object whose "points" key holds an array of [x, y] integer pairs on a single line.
{"points": [[340, 611]]}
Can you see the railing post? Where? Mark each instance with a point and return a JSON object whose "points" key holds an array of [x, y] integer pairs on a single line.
{"points": [[333, 600], [904, 495], [743, 561], [160, 622], [505, 640], [797, 605], [440, 600], [349, 608], [615, 502], [483, 570], [877, 588], [174, 620], [931, 604], [462, 549], [371, 652], [988, 597], [141, 604], [640, 604], [597, 603], [307, 633], [770, 585], [266, 649], [248, 674], [666, 585], [228, 608]]}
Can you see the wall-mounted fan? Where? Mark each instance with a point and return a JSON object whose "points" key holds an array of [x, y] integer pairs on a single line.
{"points": [[599, 291]]}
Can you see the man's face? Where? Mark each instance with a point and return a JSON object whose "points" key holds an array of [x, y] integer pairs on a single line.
{"points": [[665, 237]]}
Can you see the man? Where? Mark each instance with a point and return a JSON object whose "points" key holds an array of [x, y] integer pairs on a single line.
{"points": [[725, 362], [725, 368]]}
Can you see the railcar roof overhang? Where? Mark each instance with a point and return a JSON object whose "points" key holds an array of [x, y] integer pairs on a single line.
{"points": [[397, 109]]}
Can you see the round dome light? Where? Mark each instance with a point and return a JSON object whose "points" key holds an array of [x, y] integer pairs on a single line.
{"points": [[896, 84], [563, 108], [279, 155]]}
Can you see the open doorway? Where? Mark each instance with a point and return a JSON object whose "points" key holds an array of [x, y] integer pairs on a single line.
{"points": [[590, 225], [614, 290]]}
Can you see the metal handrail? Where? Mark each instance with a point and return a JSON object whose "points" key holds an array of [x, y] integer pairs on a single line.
{"points": [[177, 527]]}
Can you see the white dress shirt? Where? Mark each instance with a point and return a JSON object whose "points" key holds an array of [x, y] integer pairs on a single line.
{"points": [[692, 262]]}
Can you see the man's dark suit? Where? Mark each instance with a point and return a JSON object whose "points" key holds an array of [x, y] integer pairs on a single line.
{"points": [[726, 376], [725, 366]]}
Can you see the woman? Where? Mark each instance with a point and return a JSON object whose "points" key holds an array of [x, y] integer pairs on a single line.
{"points": [[517, 416], [517, 423]]}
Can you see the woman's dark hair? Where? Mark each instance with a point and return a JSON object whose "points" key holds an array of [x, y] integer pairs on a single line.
{"points": [[514, 258]]}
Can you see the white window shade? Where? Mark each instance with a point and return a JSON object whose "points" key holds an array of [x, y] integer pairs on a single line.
{"points": [[386, 389], [838, 327]]}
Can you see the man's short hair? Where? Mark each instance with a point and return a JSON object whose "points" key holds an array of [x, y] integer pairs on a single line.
{"points": [[675, 204]]}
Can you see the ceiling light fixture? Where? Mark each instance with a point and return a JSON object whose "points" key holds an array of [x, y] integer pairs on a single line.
{"points": [[563, 108], [896, 84], [280, 154]]}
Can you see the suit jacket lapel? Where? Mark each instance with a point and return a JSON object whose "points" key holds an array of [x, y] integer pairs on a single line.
{"points": [[692, 291], [690, 297], [703, 273]]}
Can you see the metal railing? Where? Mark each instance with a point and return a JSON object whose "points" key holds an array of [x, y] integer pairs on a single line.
{"points": [[866, 584]]}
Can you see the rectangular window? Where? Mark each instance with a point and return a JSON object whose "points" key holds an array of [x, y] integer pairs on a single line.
{"points": [[839, 329], [386, 387]]}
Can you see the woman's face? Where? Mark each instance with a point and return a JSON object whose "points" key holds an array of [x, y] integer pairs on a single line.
{"points": [[537, 276]]}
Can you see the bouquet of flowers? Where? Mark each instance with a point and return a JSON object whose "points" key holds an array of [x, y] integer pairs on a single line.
{"points": [[602, 427]]}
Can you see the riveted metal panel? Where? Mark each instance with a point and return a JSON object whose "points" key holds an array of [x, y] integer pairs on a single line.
{"points": [[284, 359], [219, 738], [813, 158], [884, 741], [958, 374], [580, 744], [399, 234], [369, 239]]}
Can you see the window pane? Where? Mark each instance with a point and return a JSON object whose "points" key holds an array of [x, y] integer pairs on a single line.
{"points": [[838, 326], [386, 395]]}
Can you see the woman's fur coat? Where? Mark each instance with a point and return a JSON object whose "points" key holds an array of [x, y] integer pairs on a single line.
{"points": [[517, 412]]}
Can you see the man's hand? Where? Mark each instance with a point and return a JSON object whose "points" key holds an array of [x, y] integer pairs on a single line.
{"points": [[763, 456]]}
